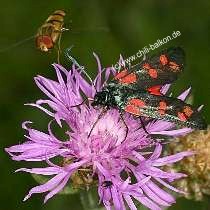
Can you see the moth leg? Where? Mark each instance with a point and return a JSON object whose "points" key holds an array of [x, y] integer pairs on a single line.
{"points": [[104, 110], [86, 99], [126, 127], [154, 137], [79, 103], [143, 126]]}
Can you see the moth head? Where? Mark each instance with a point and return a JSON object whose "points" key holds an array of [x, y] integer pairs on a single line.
{"points": [[102, 98]]}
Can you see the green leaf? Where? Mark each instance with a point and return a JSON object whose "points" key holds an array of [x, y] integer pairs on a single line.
{"points": [[190, 99]]}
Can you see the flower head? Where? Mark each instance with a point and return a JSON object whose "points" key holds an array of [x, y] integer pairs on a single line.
{"points": [[124, 169], [197, 166]]}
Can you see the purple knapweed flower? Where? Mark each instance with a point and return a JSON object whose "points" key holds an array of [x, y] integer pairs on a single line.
{"points": [[124, 169]]}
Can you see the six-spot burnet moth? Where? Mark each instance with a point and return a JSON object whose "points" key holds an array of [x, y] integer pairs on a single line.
{"points": [[137, 90]]}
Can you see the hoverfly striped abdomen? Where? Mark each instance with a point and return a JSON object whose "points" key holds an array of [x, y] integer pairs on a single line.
{"points": [[49, 33]]}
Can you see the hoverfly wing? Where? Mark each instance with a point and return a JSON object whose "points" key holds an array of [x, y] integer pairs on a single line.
{"points": [[157, 70], [164, 108], [16, 44]]}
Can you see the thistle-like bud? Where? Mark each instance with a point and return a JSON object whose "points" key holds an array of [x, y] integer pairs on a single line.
{"points": [[197, 167]]}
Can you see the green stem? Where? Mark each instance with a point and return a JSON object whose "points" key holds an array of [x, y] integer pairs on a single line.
{"points": [[89, 200]]}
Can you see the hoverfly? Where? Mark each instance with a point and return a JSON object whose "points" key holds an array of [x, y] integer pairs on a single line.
{"points": [[48, 34]]}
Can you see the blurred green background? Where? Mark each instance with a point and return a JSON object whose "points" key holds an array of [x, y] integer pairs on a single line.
{"points": [[130, 25]]}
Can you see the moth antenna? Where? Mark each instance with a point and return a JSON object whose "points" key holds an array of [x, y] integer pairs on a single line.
{"points": [[80, 103], [74, 61], [89, 99]]}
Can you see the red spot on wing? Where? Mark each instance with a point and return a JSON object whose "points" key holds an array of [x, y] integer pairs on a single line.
{"points": [[162, 107], [132, 109], [182, 116], [153, 73], [174, 66], [134, 106], [129, 79], [155, 90], [163, 60], [125, 77], [136, 102], [146, 66], [121, 74], [188, 111]]}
